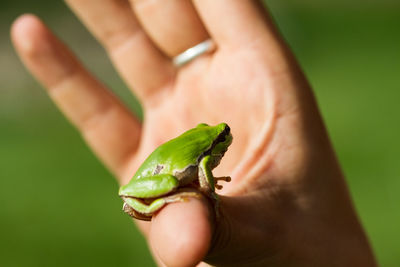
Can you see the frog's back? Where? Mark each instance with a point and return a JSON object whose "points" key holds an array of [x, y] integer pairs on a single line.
{"points": [[180, 152]]}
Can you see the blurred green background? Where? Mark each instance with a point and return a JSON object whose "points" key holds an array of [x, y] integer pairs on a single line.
{"points": [[58, 204]]}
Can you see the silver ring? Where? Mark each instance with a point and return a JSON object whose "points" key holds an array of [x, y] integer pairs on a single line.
{"points": [[193, 52]]}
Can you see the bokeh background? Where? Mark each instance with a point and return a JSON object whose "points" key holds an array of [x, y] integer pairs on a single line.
{"points": [[59, 205]]}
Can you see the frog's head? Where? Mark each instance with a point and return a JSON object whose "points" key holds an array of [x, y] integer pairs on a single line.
{"points": [[223, 140]]}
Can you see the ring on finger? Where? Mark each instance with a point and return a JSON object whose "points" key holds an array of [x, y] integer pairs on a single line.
{"points": [[194, 52]]}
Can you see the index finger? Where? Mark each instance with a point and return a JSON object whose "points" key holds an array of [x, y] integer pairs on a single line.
{"points": [[106, 125]]}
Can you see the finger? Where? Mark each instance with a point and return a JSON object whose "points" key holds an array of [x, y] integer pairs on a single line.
{"points": [[235, 23], [173, 25], [181, 233], [105, 123], [141, 64]]}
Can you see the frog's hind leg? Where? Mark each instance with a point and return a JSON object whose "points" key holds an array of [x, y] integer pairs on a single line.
{"points": [[150, 187]]}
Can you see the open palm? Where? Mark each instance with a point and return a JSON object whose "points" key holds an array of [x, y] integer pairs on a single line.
{"points": [[282, 165]]}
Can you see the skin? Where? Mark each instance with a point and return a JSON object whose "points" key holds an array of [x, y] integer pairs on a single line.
{"points": [[287, 204], [181, 164]]}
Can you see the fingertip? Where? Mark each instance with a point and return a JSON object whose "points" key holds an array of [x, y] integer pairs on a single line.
{"points": [[24, 20], [181, 233], [41, 51], [25, 32]]}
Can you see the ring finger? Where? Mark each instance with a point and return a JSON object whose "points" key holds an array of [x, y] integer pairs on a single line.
{"points": [[174, 28]]}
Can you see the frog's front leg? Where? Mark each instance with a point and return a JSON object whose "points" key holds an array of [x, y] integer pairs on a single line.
{"points": [[207, 181]]}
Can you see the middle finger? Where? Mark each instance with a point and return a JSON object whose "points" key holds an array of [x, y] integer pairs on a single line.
{"points": [[143, 66]]}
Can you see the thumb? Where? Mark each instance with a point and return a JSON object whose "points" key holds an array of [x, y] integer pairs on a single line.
{"points": [[181, 233]]}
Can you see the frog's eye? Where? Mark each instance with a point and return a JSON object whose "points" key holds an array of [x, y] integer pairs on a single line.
{"points": [[222, 137], [227, 130]]}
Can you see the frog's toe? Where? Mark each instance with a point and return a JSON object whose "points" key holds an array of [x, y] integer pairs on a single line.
{"points": [[218, 186], [222, 178]]}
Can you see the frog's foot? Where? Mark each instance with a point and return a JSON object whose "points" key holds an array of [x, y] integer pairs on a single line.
{"points": [[182, 196], [134, 214], [222, 178], [144, 209]]}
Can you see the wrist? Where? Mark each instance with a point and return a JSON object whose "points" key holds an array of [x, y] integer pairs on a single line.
{"points": [[327, 231]]}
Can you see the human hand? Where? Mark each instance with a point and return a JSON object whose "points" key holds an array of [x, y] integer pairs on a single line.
{"points": [[287, 203]]}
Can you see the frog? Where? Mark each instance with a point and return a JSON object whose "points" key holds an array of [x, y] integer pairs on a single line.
{"points": [[177, 170]]}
